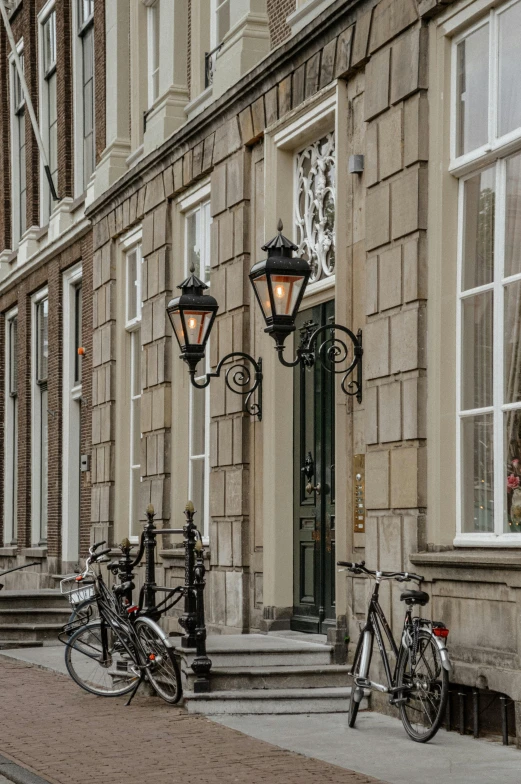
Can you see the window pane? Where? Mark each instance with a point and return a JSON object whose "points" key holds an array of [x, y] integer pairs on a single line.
{"points": [[13, 356], [509, 110], [44, 453], [472, 91], [512, 522], [206, 244], [198, 421], [193, 242], [477, 350], [43, 340], [513, 217], [197, 485], [512, 342], [135, 528], [223, 20], [77, 333], [477, 473], [478, 232], [132, 286], [49, 43]]}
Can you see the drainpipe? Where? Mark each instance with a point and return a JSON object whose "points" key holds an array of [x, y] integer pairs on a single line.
{"points": [[29, 104]]}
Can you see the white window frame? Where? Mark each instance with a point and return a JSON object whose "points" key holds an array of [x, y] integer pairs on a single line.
{"points": [[36, 425], [77, 64], [187, 206], [153, 52], [16, 232], [10, 442], [71, 424], [131, 244], [315, 123], [46, 202], [495, 144], [493, 154]]}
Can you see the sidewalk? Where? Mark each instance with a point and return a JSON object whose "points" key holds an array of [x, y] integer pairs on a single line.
{"points": [[174, 746], [56, 730]]}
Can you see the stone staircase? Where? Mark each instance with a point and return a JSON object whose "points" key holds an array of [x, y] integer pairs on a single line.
{"points": [[266, 674], [31, 618]]}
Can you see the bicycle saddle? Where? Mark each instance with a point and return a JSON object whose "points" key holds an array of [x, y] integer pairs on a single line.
{"points": [[414, 597]]}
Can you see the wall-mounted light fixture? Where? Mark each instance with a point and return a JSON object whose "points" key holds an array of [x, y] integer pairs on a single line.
{"points": [[192, 316], [279, 283]]}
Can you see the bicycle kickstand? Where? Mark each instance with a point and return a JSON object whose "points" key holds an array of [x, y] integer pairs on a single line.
{"points": [[136, 687]]}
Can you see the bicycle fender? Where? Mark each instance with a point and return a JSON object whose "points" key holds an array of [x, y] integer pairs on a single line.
{"points": [[159, 631], [444, 655]]}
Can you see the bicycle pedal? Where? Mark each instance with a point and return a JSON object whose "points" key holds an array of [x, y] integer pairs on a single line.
{"points": [[398, 700]]}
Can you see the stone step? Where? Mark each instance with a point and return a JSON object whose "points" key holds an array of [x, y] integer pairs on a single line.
{"points": [[273, 678], [46, 597], [258, 650], [270, 701], [35, 615], [46, 633]]}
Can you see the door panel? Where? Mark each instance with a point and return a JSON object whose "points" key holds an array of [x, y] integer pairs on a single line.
{"points": [[314, 490]]}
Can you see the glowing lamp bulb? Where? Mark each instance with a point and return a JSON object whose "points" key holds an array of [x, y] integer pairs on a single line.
{"points": [[192, 323], [280, 292]]}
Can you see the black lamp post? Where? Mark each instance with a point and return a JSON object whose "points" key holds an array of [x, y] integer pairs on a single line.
{"points": [[279, 283], [192, 316]]}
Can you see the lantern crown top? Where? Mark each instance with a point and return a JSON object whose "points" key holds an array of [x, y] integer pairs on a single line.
{"points": [[280, 243], [192, 281]]}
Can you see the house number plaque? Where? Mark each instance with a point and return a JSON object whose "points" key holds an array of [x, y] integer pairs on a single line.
{"points": [[359, 494]]}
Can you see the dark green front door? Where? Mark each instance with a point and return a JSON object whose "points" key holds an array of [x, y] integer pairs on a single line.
{"points": [[314, 490]]}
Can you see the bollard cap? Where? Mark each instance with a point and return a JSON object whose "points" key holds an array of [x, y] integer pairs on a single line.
{"points": [[190, 507], [150, 509]]}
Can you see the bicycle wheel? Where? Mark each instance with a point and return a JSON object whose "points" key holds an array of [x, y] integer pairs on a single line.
{"points": [[360, 668], [86, 612], [164, 671], [106, 670], [428, 687]]}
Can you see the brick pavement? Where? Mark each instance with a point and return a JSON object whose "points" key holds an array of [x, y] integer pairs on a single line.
{"points": [[52, 727]]}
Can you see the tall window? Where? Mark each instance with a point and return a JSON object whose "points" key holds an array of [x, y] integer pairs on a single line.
{"points": [[49, 103], [153, 25], [486, 118], [11, 433], [19, 169], [85, 15], [41, 417], [222, 19], [197, 254], [133, 328]]}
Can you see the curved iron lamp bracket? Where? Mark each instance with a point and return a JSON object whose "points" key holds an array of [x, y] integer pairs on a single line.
{"points": [[331, 352], [239, 378]]}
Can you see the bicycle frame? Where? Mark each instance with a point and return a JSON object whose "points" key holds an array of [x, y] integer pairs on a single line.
{"points": [[376, 621]]}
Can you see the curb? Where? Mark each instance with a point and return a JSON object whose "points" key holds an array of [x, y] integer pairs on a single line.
{"points": [[17, 774]]}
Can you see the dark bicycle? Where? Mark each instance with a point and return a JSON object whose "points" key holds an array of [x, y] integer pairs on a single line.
{"points": [[419, 684]]}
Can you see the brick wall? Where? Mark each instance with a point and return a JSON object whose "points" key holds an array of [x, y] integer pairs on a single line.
{"points": [[278, 10], [99, 77]]}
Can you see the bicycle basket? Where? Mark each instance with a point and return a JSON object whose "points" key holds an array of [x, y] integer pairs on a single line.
{"points": [[77, 590]]}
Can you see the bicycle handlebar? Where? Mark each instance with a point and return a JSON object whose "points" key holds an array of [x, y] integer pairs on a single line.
{"points": [[360, 568]]}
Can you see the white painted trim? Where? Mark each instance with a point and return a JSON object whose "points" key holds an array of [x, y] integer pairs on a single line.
{"points": [[15, 183], [152, 49], [133, 237], [309, 124], [305, 13], [36, 422], [71, 423], [10, 447], [77, 105], [43, 89], [194, 196]]}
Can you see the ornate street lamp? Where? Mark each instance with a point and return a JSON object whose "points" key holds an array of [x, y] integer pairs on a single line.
{"points": [[279, 283], [192, 316]]}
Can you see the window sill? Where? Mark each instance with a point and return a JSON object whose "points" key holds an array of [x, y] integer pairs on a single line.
{"points": [[196, 106], [478, 559], [306, 13], [8, 550], [34, 552]]}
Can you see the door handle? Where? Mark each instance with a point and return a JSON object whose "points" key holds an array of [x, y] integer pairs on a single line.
{"points": [[313, 488]]}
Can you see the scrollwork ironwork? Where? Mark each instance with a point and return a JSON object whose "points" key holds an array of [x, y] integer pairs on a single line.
{"points": [[240, 379]]}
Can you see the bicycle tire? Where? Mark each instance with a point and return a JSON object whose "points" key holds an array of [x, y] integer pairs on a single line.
{"points": [[357, 693], [431, 707], [83, 659], [164, 673], [86, 610]]}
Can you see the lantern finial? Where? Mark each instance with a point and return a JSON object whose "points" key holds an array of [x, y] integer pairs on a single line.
{"points": [[280, 225]]}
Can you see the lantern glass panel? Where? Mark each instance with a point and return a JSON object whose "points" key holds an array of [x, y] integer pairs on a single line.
{"points": [[197, 325], [177, 323], [286, 291], [261, 287]]}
